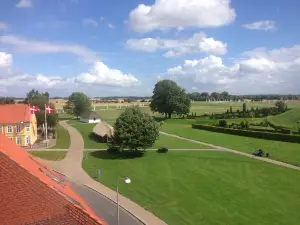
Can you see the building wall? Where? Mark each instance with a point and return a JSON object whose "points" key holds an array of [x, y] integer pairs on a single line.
{"points": [[23, 134], [90, 121]]}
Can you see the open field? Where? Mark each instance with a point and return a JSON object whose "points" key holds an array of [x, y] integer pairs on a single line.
{"points": [[50, 155], [289, 119], [62, 138], [164, 140], [211, 188], [282, 151]]}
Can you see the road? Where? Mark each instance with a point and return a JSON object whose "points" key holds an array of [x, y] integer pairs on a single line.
{"points": [[104, 207]]}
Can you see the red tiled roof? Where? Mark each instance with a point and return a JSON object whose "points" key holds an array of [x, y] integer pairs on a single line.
{"points": [[14, 113], [31, 193]]}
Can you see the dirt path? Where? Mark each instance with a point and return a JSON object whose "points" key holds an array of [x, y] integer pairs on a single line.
{"points": [[71, 166], [236, 152]]}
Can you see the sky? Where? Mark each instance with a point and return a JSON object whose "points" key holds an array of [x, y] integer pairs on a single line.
{"points": [[117, 47]]}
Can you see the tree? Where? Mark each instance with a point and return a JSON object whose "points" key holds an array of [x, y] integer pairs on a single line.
{"points": [[244, 107], [77, 103], [281, 106], [169, 98], [135, 130]]}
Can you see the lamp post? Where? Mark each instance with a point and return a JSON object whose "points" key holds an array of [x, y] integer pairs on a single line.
{"points": [[127, 181]]}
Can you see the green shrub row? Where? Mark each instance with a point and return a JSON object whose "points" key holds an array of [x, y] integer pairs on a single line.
{"points": [[248, 133]]}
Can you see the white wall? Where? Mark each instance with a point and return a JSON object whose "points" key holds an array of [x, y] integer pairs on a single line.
{"points": [[90, 121]]}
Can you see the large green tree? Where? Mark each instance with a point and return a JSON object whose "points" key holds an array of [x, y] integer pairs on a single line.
{"points": [[169, 98], [77, 103], [135, 130], [36, 98]]}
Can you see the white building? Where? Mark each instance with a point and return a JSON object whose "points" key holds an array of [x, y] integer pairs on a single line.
{"points": [[90, 117]]}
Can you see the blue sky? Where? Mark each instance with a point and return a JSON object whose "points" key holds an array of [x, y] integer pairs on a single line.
{"points": [[113, 47]]}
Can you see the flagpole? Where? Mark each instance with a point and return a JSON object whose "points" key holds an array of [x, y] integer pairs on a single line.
{"points": [[46, 126]]}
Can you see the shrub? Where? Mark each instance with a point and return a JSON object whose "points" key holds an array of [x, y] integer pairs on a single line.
{"points": [[222, 123], [113, 149], [162, 150], [249, 133]]}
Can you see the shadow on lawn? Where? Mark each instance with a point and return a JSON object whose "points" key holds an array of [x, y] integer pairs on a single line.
{"points": [[118, 155]]}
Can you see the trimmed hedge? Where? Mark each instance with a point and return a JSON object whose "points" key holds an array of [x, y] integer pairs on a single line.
{"points": [[248, 133]]}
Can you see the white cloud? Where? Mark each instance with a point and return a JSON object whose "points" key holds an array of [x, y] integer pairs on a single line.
{"points": [[164, 14], [5, 60], [24, 4], [102, 74], [111, 26], [39, 47], [260, 71], [89, 21], [266, 25], [3, 26], [198, 43]]}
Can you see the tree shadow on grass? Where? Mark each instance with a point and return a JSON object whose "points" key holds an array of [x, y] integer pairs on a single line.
{"points": [[109, 155], [96, 138]]}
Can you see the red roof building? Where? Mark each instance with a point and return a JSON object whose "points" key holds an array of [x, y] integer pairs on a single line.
{"points": [[31, 193], [14, 113]]}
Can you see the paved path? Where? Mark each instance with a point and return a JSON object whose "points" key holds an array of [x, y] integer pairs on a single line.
{"points": [[102, 206], [70, 166], [236, 152]]}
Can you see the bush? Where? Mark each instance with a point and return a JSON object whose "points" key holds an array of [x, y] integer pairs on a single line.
{"points": [[249, 133], [222, 123], [162, 150]]}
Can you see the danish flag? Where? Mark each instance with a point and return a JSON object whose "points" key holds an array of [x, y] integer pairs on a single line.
{"points": [[48, 109], [34, 109]]}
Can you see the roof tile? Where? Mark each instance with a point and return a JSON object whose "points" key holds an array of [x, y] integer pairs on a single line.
{"points": [[28, 196], [14, 113]]}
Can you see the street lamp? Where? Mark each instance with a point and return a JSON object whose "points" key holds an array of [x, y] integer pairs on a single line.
{"points": [[127, 181]]}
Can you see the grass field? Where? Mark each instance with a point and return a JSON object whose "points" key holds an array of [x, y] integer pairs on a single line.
{"points": [[196, 187], [282, 151], [289, 119], [48, 155], [62, 138], [164, 140]]}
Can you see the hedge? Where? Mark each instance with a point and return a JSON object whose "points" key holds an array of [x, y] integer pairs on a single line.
{"points": [[248, 133]]}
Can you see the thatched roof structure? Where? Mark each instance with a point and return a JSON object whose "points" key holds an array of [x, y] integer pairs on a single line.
{"points": [[103, 129], [89, 115]]}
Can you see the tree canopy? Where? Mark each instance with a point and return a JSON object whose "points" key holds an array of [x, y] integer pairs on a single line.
{"points": [[135, 130], [169, 98], [36, 98], [77, 103]]}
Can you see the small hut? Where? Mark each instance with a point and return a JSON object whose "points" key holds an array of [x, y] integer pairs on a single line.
{"points": [[104, 131], [90, 117]]}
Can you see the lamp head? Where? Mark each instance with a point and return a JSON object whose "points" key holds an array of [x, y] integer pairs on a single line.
{"points": [[127, 180]]}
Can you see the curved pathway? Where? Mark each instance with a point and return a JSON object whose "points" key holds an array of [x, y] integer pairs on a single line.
{"points": [[71, 167], [236, 152]]}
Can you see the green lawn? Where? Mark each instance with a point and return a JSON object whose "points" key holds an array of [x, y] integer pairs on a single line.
{"points": [[62, 138], [282, 151], [164, 140], [196, 187], [173, 142], [85, 130], [288, 119], [48, 155]]}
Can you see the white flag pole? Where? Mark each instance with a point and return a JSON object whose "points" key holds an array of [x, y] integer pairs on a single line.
{"points": [[46, 126]]}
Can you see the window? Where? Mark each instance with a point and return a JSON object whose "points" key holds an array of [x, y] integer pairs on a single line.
{"points": [[9, 129], [18, 128], [0, 129], [27, 127], [19, 140], [27, 140]]}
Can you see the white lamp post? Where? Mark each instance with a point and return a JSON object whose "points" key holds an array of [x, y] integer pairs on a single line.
{"points": [[127, 181]]}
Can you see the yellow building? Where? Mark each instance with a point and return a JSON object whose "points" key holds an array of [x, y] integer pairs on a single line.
{"points": [[18, 124]]}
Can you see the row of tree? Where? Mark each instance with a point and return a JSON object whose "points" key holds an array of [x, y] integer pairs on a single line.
{"points": [[225, 96]]}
